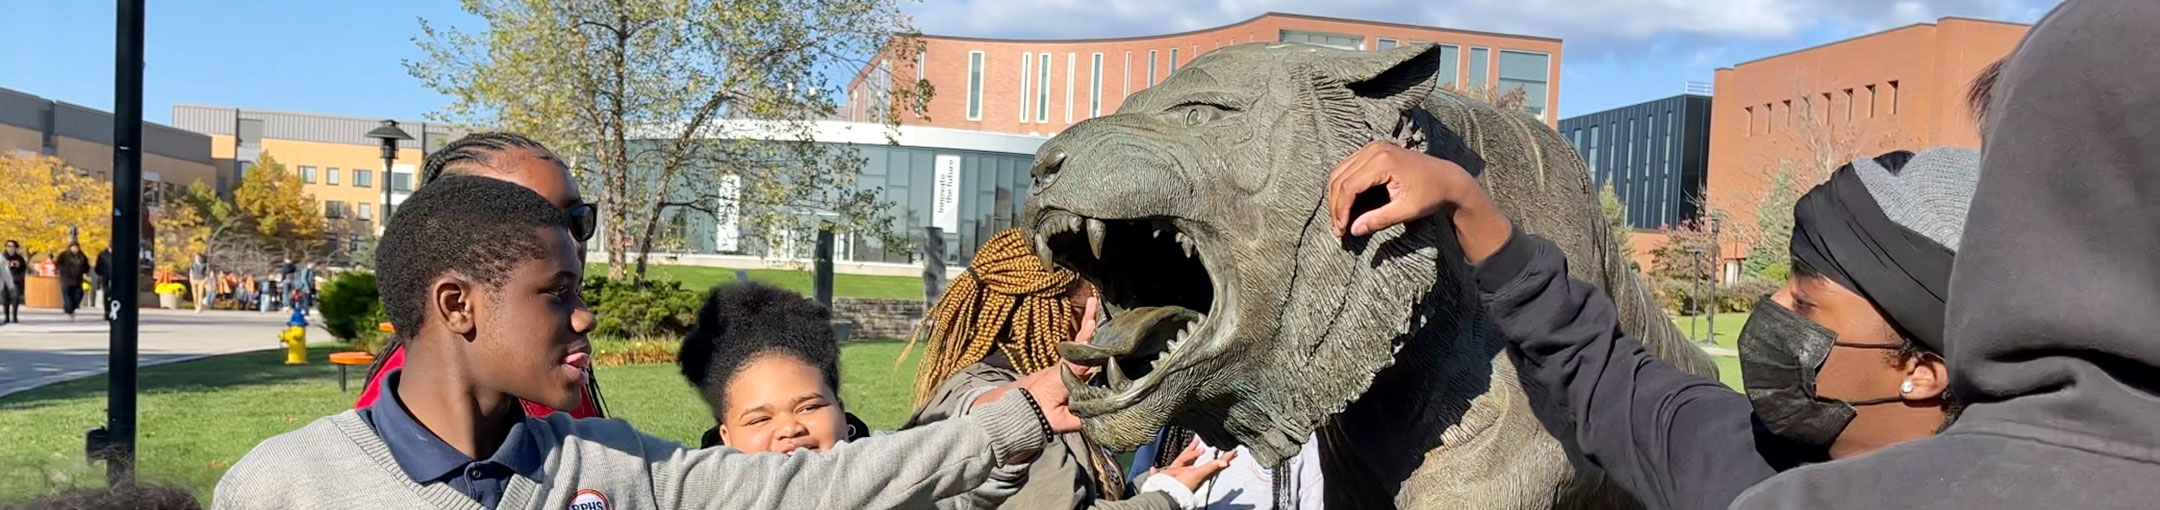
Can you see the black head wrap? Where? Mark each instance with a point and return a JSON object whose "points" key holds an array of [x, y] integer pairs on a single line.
{"points": [[1840, 232]]}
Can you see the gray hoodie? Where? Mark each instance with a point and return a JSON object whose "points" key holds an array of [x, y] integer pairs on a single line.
{"points": [[2055, 296]]}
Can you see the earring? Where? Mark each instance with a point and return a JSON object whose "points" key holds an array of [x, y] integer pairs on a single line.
{"points": [[851, 427], [1902, 388]]}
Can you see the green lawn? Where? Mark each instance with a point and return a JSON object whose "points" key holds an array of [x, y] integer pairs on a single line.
{"points": [[1728, 327], [844, 285], [197, 417], [1728, 332]]}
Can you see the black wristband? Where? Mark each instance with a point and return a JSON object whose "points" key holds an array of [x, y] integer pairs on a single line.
{"points": [[1040, 418]]}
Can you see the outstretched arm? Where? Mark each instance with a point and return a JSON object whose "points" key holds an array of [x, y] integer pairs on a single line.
{"points": [[910, 469], [1673, 439]]}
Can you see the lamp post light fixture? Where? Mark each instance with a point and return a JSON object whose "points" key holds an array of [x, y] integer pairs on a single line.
{"points": [[390, 135]]}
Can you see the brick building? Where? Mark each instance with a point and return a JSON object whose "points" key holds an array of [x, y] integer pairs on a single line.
{"points": [[1808, 111], [1039, 87]]}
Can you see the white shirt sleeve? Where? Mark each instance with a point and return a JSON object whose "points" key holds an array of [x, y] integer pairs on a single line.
{"points": [[1165, 484]]}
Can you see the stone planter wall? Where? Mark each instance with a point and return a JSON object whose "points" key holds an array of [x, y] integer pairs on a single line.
{"points": [[878, 318]]}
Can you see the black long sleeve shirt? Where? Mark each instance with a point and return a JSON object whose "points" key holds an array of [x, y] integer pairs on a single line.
{"points": [[1674, 439]]}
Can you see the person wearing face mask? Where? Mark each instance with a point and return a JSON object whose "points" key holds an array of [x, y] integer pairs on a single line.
{"points": [[1843, 360], [2053, 295]]}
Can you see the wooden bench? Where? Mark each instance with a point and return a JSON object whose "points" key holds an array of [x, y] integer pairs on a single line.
{"points": [[347, 359]]}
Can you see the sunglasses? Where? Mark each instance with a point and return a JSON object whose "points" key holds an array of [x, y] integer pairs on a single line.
{"points": [[584, 219]]}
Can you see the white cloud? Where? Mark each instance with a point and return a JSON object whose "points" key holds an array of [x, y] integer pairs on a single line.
{"points": [[1596, 26]]}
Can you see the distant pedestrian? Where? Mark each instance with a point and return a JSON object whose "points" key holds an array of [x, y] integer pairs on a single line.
{"points": [[288, 279], [104, 270], [11, 283], [72, 266], [306, 289], [199, 282]]}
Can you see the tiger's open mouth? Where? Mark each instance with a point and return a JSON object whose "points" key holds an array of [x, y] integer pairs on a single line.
{"points": [[1161, 314]]}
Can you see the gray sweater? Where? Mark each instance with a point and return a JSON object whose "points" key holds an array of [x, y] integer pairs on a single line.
{"points": [[337, 462]]}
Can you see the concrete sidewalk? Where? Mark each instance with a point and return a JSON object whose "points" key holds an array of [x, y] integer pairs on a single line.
{"points": [[46, 348]]}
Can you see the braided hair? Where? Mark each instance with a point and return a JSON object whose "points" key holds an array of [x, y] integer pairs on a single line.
{"points": [[1007, 300], [478, 148]]}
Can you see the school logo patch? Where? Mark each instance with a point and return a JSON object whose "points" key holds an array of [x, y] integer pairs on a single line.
{"points": [[588, 499]]}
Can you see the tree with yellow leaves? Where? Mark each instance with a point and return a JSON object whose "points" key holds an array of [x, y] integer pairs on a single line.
{"points": [[278, 210], [44, 198]]}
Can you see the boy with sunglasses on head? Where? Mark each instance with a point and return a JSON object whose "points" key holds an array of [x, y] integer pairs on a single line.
{"points": [[522, 161], [481, 279]]}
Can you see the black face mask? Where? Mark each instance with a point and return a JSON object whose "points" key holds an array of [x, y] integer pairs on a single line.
{"points": [[1781, 353]]}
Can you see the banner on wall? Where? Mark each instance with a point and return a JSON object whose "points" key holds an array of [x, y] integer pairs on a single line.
{"points": [[945, 203], [729, 236]]}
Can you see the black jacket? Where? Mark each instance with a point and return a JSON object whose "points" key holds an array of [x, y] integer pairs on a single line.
{"points": [[71, 267], [2053, 296], [1674, 439]]}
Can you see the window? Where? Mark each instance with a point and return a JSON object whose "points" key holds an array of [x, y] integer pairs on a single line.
{"points": [[1848, 105], [1385, 44], [1478, 58], [333, 209], [1449, 63], [401, 182], [1750, 119], [1593, 150], [1125, 84], [1829, 104], [307, 174], [330, 176], [1337, 41], [1527, 71], [1095, 89], [975, 75], [363, 178], [1151, 68], [367, 211], [1042, 88], [1870, 101], [1027, 71], [919, 66], [1788, 113], [1893, 97], [1173, 61], [1072, 61], [1672, 137]]}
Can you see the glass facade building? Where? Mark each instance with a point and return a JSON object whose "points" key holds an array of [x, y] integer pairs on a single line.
{"points": [[1654, 154]]}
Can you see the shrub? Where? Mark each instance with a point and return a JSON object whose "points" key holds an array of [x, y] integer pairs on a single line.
{"points": [[658, 309], [610, 352], [1741, 295], [351, 309]]}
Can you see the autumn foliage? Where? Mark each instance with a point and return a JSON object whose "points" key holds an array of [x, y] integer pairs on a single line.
{"points": [[41, 197]]}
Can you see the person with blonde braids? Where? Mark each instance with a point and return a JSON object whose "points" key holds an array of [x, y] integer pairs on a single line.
{"points": [[1003, 318]]}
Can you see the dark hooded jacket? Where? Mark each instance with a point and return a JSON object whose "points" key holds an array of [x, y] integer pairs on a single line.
{"points": [[2053, 296]]}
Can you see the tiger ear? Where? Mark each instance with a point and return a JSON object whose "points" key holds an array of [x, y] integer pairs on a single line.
{"points": [[1390, 81]]}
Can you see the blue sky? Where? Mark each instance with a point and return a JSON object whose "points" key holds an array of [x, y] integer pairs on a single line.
{"points": [[345, 57]]}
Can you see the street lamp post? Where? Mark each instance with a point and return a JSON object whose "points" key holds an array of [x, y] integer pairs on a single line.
{"points": [[115, 442], [390, 136], [1717, 259]]}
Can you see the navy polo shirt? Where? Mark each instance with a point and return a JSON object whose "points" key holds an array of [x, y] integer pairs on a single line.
{"points": [[427, 459]]}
